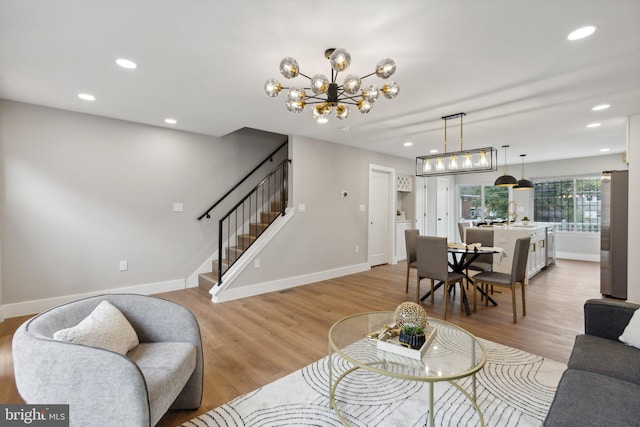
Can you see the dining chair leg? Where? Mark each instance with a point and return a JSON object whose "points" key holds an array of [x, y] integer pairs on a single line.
{"points": [[513, 303], [444, 310], [485, 287], [524, 305], [473, 285], [407, 287], [418, 291]]}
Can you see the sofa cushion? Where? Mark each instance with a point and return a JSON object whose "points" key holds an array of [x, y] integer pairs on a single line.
{"points": [[631, 333], [106, 327], [606, 357], [166, 367], [590, 399]]}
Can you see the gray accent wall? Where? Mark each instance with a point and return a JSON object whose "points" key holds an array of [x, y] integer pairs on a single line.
{"points": [[324, 237], [80, 193]]}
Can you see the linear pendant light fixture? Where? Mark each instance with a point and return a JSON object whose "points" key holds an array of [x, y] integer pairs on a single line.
{"points": [[457, 162], [523, 184], [506, 180]]}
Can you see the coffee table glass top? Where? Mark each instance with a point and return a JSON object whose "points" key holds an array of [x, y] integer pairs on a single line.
{"points": [[454, 353]]}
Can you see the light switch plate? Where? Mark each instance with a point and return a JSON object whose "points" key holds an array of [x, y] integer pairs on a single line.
{"points": [[301, 207], [178, 207]]}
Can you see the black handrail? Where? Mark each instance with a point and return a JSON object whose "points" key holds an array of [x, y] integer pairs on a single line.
{"points": [[269, 158]]}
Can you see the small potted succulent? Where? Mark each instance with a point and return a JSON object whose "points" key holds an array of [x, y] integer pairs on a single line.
{"points": [[525, 220], [412, 335]]}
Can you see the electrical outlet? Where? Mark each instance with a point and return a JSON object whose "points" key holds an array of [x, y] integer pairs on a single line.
{"points": [[124, 265], [361, 208], [256, 263], [178, 207], [357, 248], [301, 207]]}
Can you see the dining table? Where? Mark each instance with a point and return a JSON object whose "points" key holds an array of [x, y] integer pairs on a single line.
{"points": [[462, 255]]}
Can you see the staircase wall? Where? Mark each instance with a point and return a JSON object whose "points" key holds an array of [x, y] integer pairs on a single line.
{"points": [[82, 192], [320, 242]]}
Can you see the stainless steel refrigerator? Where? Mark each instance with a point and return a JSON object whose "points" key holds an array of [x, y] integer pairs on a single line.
{"points": [[614, 234]]}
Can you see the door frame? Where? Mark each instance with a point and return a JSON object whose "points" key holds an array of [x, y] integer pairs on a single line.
{"points": [[391, 172], [442, 195]]}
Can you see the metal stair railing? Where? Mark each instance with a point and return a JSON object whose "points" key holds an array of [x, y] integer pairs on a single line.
{"points": [[251, 216]]}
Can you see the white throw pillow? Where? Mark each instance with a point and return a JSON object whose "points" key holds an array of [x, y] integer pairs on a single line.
{"points": [[631, 334], [106, 327]]}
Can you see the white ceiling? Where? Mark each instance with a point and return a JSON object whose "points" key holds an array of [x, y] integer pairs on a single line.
{"points": [[508, 65]]}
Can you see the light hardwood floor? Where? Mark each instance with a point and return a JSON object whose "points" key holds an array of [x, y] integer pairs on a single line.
{"points": [[254, 341]]}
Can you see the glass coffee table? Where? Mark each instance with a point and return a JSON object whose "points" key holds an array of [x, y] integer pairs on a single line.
{"points": [[453, 354]]}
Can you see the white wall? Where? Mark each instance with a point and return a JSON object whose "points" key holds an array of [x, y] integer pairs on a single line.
{"points": [[320, 242], [633, 156], [81, 192]]}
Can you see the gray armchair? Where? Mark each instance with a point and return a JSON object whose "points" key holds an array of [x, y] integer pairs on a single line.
{"points": [[102, 387]]}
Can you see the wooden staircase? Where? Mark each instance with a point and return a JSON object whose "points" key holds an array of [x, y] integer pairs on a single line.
{"points": [[231, 253]]}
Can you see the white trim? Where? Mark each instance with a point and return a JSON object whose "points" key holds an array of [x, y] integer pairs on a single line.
{"points": [[1, 314], [38, 306], [289, 282], [254, 250], [391, 256], [578, 256]]}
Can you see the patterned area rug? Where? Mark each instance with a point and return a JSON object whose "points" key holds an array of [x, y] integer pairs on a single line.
{"points": [[515, 388]]}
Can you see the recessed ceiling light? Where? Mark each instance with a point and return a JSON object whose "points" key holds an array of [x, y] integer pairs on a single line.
{"points": [[594, 125], [408, 144], [600, 107], [581, 33], [604, 150], [171, 121], [86, 97], [126, 63], [434, 151]]}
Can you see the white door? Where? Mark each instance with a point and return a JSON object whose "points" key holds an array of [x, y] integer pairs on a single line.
{"points": [[442, 208], [380, 209], [421, 204]]}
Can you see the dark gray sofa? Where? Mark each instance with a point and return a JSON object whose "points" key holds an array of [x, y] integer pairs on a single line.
{"points": [[601, 386]]}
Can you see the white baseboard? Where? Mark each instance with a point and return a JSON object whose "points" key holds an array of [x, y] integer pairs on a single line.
{"points": [[230, 294], [578, 256], [37, 306]]}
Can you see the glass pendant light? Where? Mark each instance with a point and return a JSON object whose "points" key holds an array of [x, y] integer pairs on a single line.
{"points": [[523, 184], [506, 180]]}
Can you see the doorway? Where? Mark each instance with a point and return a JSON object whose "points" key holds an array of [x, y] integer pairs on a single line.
{"points": [[381, 214], [442, 208]]}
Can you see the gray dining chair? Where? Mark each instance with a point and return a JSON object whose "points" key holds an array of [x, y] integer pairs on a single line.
{"points": [[484, 262], [483, 236], [410, 237], [462, 226], [510, 280], [433, 263]]}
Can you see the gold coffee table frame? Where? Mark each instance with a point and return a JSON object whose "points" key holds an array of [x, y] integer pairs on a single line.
{"points": [[431, 369]]}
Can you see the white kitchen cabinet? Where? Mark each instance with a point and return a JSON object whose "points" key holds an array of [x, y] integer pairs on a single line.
{"points": [[506, 237], [400, 246], [403, 183]]}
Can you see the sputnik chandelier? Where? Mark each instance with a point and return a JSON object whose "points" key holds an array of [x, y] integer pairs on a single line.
{"points": [[328, 95], [457, 162]]}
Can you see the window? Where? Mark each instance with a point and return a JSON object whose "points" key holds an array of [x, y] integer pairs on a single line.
{"points": [[573, 204], [483, 203]]}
